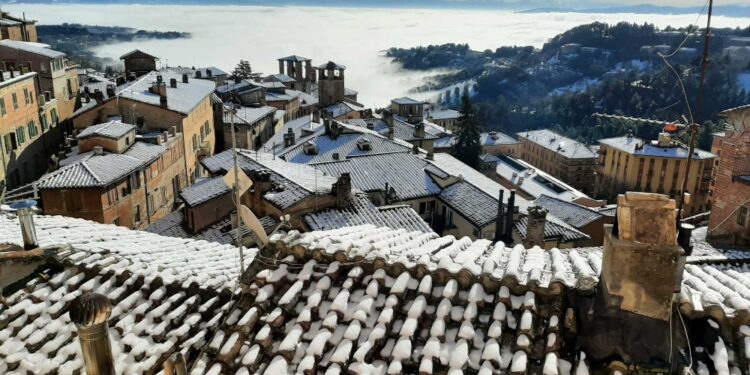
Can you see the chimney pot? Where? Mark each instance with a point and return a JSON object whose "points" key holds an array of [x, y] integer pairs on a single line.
{"points": [[25, 212], [90, 313], [173, 130]]}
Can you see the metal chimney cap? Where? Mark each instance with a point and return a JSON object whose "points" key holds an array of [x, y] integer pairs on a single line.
{"points": [[22, 205], [90, 309]]}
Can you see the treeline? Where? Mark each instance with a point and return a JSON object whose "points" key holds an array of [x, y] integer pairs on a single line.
{"points": [[78, 40]]}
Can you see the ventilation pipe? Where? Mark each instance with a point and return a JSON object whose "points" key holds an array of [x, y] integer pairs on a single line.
{"points": [[25, 212], [90, 312]]}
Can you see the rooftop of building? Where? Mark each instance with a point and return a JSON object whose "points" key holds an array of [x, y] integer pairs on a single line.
{"points": [[183, 98], [248, 115], [562, 145], [331, 65], [494, 138], [343, 108], [361, 299], [173, 225], [301, 127], [444, 114], [40, 49], [572, 213], [291, 182], [138, 53], [203, 71], [204, 190], [636, 146], [114, 129], [363, 212], [281, 78], [406, 100], [91, 170], [534, 181], [295, 58]]}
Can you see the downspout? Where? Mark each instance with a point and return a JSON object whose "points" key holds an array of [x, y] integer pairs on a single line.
{"points": [[145, 190]]}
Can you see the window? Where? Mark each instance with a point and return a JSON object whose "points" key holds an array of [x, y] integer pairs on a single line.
{"points": [[116, 221], [15, 101], [20, 135], [150, 204], [43, 121], [136, 180], [53, 116], [195, 142], [137, 214], [26, 96], [422, 207], [70, 89], [33, 129], [112, 196], [3, 110], [742, 218]]}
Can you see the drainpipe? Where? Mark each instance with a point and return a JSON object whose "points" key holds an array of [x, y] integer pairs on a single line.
{"points": [[90, 312], [499, 225], [509, 218]]}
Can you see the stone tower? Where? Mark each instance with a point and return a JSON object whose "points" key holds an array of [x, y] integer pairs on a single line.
{"points": [[330, 84]]}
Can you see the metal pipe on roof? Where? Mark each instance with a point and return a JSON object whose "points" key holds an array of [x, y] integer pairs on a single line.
{"points": [[90, 312], [25, 211]]}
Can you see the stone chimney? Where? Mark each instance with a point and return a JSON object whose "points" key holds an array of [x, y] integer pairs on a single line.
{"points": [[535, 222], [391, 132], [90, 312], [415, 149], [642, 269], [289, 138], [261, 185], [342, 189], [419, 130], [25, 212]]}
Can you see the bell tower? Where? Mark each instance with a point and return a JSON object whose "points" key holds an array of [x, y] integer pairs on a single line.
{"points": [[330, 84]]}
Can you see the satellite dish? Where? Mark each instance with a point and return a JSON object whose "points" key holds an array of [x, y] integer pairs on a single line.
{"points": [[252, 222]]}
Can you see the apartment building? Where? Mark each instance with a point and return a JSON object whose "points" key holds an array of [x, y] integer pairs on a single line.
{"points": [[632, 164], [28, 129], [159, 101], [118, 177], [57, 77], [571, 161]]}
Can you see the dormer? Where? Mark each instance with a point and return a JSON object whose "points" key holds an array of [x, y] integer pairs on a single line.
{"points": [[113, 136]]}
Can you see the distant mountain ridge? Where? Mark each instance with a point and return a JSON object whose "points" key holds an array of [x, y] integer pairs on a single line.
{"points": [[531, 6], [731, 10]]}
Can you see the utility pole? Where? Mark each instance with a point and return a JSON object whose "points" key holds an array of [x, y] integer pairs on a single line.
{"points": [[695, 127], [236, 189]]}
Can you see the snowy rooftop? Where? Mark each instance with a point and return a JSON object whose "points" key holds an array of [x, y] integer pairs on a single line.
{"points": [[182, 98], [533, 181], [111, 129], [356, 299], [35, 48], [249, 115], [637, 146], [445, 114], [562, 145], [496, 138], [363, 212]]}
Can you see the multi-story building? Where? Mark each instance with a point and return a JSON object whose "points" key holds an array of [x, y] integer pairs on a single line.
{"points": [[159, 101], [253, 127], [117, 177], [632, 164], [15, 28], [571, 161], [56, 76], [730, 207], [19, 127], [447, 118]]}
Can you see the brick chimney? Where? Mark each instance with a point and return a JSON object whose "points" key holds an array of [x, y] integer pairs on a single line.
{"points": [[536, 219], [642, 268], [342, 189], [289, 138], [90, 313], [261, 185]]}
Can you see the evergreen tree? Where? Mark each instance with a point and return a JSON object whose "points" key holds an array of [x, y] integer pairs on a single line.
{"points": [[243, 70], [468, 147], [705, 138]]}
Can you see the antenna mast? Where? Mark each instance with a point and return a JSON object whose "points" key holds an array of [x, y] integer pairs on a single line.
{"points": [[694, 127]]}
